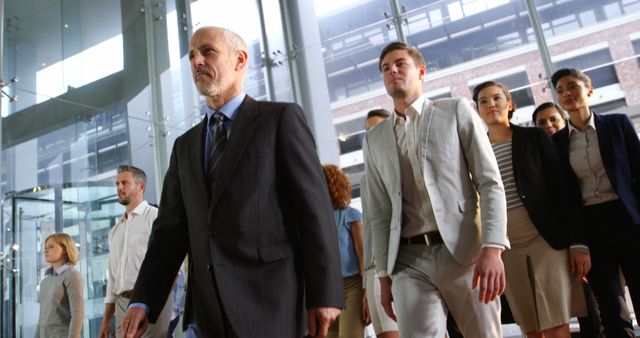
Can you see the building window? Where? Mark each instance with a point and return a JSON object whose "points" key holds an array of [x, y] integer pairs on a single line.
{"points": [[596, 64]]}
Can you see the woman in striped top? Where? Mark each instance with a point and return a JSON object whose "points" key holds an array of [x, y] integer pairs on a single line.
{"points": [[540, 223]]}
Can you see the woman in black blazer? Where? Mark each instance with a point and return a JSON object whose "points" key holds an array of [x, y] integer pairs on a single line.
{"points": [[600, 155], [540, 225]]}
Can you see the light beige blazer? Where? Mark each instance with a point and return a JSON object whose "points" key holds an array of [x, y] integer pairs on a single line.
{"points": [[459, 169]]}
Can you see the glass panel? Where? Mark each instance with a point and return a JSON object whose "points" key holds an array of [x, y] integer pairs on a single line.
{"points": [[463, 31], [636, 49], [87, 213], [56, 46], [353, 33], [597, 37], [61, 181]]}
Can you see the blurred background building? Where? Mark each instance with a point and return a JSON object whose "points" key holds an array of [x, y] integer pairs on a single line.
{"points": [[88, 85]]}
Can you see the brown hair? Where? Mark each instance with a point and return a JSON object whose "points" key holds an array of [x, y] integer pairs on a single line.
{"points": [[548, 105], [378, 113], [503, 87], [339, 186], [413, 52], [559, 74], [68, 245], [138, 174]]}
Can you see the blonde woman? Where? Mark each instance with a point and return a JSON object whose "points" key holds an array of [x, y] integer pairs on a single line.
{"points": [[60, 297]]}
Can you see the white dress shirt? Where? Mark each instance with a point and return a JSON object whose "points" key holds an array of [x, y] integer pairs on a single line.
{"points": [[417, 212], [127, 246]]}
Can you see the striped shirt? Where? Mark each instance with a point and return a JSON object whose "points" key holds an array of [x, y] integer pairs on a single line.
{"points": [[502, 151]]}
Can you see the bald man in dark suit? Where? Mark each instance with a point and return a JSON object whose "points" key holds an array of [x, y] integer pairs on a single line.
{"points": [[245, 196]]}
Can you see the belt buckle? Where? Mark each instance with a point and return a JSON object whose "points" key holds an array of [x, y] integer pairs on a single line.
{"points": [[426, 238]]}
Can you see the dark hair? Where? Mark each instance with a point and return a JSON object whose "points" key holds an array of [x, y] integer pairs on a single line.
{"points": [[378, 113], [339, 186], [137, 173], [559, 74], [413, 52], [503, 87], [547, 105]]}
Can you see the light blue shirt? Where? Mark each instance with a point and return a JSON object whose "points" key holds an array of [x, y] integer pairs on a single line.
{"points": [[348, 258]]}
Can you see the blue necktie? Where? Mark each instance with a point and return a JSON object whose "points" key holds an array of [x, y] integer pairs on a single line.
{"points": [[217, 142]]}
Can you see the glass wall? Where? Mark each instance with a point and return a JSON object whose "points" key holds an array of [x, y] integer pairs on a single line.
{"points": [[65, 130]]}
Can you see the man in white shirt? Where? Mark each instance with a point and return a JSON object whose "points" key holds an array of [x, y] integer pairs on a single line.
{"points": [[127, 246]]}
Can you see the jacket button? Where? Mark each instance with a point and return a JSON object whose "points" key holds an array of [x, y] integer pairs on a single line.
{"points": [[209, 267], [523, 196]]}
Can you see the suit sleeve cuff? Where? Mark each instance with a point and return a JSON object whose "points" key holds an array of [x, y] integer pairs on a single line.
{"points": [[491, 245], [580, 247], [141, 306]]}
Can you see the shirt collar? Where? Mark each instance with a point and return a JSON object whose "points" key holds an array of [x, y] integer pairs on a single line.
{"points": [[139, 210], [229, 109], [591, 123], [58, 271], [416, 106]]}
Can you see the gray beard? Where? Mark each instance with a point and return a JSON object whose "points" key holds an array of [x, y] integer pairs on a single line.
{"points": [[208, 91]]}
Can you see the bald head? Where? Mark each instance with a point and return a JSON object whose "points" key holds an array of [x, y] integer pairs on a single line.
{"points": [[219, 62], [230, 38]]}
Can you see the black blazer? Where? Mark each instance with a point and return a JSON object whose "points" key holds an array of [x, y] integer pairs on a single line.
{"points": [[540, 185], [266, 236], [620, 152]]}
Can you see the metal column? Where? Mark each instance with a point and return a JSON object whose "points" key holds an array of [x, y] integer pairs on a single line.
{"points": [[542, 44]]}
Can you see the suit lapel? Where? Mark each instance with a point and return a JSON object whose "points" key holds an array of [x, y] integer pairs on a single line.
{"points": [[388, 151], [562, 140], [517, 151], [196, 158], [240, 135], [426, 118], [604, 143]]}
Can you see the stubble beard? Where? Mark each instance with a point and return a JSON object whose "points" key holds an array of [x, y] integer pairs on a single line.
{"points": [[126, 200], [209, 90]]}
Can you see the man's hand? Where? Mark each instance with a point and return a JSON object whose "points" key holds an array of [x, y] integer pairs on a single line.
{"points": [[104, 331], [489, 274], [134, 323], [366, 316], [580, 264], [320, 318], [107, 316], [386, 298]]}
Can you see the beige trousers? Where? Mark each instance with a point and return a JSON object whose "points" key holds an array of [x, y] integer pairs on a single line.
{"points": [[427, 283]]}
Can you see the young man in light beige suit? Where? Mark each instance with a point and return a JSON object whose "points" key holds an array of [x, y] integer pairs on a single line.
{"points": [[437, 208]]}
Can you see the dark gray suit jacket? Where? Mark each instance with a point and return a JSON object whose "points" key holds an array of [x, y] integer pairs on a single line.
{"points": [[265, 236]]}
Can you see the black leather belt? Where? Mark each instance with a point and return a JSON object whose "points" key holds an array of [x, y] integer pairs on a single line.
{"points": [[127, 294], [428, 238]]}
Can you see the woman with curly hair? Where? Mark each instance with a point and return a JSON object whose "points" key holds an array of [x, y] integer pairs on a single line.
{"points": [[61, 297], [355, 316]]}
